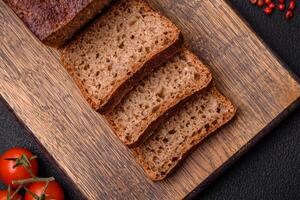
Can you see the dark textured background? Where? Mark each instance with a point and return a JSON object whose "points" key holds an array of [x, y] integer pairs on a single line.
{"points": [[270, 170]]}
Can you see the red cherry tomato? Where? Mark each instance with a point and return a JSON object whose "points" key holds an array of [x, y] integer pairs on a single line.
{"points": [[8, 172], [53, 191], [4, 194]]}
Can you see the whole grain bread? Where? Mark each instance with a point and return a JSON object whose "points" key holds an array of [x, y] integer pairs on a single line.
{"points": [[118, 50], [194, 121], [148, 104], [56, 22]]}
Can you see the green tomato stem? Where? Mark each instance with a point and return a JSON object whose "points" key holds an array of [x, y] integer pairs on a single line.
{"points": [[32, 180], [33, 157], [16, 192]]}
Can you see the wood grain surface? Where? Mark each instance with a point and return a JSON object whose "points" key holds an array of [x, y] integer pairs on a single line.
{"points": [[42, 94]]}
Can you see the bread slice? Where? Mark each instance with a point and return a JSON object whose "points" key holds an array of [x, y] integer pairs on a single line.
{"points": [[194, 121], [56, 22], [118, 50], [144, 107]]}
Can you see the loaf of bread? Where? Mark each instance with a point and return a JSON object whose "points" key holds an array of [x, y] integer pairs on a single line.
{"points": [[190, 124], [56, 22], [125, 44], [148, 104]]}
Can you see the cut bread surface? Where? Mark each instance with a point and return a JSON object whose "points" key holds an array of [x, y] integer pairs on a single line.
{"points": [[146, 105], [118, 50], [195, 120]]}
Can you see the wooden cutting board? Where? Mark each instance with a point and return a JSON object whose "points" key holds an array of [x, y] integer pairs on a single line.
{"points": [[45, 98]]}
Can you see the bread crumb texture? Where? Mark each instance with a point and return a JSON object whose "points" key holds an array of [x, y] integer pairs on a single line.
{"points": [[180, 77], [195, 120], [115, 47]]}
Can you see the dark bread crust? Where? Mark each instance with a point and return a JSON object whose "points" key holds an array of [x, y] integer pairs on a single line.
{"points": [[56, 22], [165, 110], [196, 140]]}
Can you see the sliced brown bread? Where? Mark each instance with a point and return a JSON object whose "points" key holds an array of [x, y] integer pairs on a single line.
{"points": [[56, 22], [146, 105], [118, 50], [191, 123]]}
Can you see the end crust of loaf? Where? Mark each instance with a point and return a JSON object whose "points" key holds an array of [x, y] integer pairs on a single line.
{"points": [[198, 136], [50, 22], [64, 33]]}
